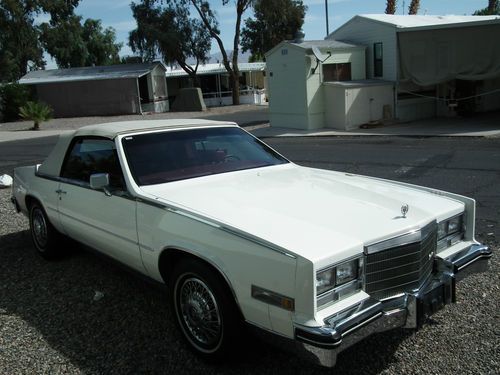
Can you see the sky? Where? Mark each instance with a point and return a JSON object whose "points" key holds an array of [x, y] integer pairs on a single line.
{"points": [[117, 14]]}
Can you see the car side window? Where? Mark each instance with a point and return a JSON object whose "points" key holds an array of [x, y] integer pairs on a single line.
{"points": [[90, 155]]}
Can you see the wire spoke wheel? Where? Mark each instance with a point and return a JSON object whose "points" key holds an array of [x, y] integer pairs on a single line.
{"points": [[205, 310], [46, 239], [200, 313], [39, 229]]}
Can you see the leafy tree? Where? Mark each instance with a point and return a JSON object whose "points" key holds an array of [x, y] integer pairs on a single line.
{"points": [[169, 31], [492, 9], [391, 7], [414, 6], [74, 44], [64, 42], [36, 112], [273, 22], [131, 60], [210, 22], [20, 48], [101, 43]]}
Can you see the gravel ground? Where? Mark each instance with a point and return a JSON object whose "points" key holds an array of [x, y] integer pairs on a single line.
{"points": [[52, 321]]}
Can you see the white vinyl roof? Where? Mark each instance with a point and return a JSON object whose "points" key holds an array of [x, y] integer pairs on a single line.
{"points": [[90, 73], [429, 21], [52, 165], [219, 68], [112, 129]]}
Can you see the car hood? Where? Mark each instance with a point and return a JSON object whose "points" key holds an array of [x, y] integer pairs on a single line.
{"points": [[313, 213]]}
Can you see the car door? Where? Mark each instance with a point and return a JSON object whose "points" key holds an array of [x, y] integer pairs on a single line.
{"points": [[105, 221]]}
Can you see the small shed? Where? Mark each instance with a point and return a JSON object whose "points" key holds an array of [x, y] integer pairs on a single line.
{"points": [[321, 83], [101, 90]]}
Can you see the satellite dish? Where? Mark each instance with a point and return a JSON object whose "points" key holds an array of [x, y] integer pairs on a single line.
{"points": [[319, 55]]}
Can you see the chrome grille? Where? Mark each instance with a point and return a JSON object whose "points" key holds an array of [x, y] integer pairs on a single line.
{"points": [[401, 268]]}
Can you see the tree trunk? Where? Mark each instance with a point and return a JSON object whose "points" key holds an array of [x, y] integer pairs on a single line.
{"points": [[36, 125], [391, 7], [414, 6], [235, 86], [492, 6]]}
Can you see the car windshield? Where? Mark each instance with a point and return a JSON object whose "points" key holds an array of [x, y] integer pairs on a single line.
{"points": [[156, 158]]}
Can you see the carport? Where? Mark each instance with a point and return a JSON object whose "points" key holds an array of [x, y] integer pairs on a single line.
{"points": [[101, 90]]}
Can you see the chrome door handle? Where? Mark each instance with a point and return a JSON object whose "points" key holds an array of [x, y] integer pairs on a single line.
{"points": [[59, 191]]}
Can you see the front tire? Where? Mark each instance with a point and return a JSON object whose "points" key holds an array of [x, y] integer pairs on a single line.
{"points": [[205, 309], [46, 239]]}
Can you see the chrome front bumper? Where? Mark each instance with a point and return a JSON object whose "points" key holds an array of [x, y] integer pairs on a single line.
{"points": [[408, 310]]}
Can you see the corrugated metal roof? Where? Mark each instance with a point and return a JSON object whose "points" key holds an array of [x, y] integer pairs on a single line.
{"points": [[427, 21], [91, 73], [208, 69], [327, 43]]}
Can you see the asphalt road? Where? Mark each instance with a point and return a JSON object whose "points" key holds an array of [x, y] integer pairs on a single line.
{"points": [[51, 322], [468, 166]]}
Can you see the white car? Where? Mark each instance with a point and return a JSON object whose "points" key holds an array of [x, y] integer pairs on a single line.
{"points": [[316, 258]]}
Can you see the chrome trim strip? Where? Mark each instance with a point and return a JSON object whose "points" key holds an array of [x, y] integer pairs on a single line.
{"points": [[258, 241], [215, 224], [413, 236], [190, 216], [363, 323], [404, 239], [468, 256]]}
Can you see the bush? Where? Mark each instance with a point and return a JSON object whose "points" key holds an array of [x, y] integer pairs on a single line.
{"points": [[36, 112], [13, 96]]}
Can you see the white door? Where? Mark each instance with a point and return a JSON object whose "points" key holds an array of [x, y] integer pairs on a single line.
{"points": [[105, 222]]}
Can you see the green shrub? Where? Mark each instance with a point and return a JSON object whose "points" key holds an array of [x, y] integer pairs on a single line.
{"points": [[36, 112], [13, 96]]}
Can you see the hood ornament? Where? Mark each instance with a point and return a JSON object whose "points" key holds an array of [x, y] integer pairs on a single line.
{"points": [[404, 210]]}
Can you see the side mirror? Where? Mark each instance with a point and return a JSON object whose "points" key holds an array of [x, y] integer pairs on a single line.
{"points": [[100, 181]]}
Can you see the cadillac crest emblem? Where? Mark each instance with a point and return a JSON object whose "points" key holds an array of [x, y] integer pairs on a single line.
{"points": [[404, 210]]}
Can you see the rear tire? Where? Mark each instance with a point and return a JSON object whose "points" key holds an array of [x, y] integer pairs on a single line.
{"points": [[205, 310], [46, 239]]}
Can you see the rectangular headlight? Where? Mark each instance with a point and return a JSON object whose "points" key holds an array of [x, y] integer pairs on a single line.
{"points": [[325, 280], [450, 231], [338, 281], [346, 272]]}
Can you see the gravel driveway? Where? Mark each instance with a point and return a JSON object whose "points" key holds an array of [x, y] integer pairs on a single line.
{"points": [[86, 315]]}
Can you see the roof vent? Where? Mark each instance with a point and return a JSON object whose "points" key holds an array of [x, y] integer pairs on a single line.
{"points": [[299, 36]]}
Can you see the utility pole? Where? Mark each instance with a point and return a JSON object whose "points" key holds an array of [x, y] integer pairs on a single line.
{"points": [[326, 13]]}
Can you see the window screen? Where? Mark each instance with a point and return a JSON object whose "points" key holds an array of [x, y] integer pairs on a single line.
{"points": [[337, 72]]}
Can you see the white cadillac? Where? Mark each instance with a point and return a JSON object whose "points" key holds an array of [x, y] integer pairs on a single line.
{"points": [[316, 258]]}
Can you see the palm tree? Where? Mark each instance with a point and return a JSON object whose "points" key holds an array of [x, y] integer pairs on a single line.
{"points": [[492, 6], [36, 112], [391, 7], [415, 4]]}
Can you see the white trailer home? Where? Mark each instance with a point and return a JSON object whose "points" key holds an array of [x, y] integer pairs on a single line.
{"points": [[440, 65]]}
